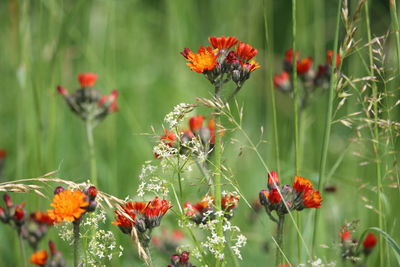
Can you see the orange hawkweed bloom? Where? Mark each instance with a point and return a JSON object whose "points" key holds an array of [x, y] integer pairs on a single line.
{"points": [[273, 180], [196, 122], [329, 56], [229, 202], [125, 218], [369, 242], [42, 218], [251, 66], [304, 65], [156, 208], [345, 236], [246, 51], [223, 42], [68, 206], [274, 197], [301, 184], [204, 60], [312, 199], [87, 79], [39, 257]]}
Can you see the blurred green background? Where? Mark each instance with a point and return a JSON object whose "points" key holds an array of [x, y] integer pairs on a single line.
{"points": [[134, 47]]}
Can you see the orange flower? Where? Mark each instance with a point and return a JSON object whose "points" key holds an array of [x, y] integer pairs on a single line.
{"points": [[87, 79], [3, 153], [223, 42], [246, 51], [345, 236], [42, 218], [156, 208], [204, 60], [168, 138], [312, 199], [68, 206], [273, 180], [251, 66], [369, 242], [274, 197], [329, 56], [229, 202], [125, 218], [301, 184], [196, 122], [39, 257], [304, 65], [282, 81]]}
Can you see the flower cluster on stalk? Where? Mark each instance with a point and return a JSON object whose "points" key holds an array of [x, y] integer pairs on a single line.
{"points": [[282, 199], [143, 216], [310, 78], [41, 257], [89, 103], [226, 59], [351, 249]]}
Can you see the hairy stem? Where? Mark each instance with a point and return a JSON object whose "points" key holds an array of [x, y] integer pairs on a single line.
{"points": [[92, 154], [279, 240], [76, 243]]}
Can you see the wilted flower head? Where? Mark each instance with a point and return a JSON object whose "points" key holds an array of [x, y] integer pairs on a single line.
{"points": [[88, 103]]}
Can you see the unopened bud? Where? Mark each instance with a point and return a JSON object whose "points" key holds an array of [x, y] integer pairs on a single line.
{"points": [[7, 200], [58, 189]]}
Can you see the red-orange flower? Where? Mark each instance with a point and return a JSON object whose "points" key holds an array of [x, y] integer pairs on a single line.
{"points": [[289, 55], [301, 184], [223, 42], [304, 65], [274, 197], [282, 81], [3, 154], [42, 218], [369, 242], [157, 208], [125, 218], [273, 180], [246, 51], [251, 66], [345, 236], [204, 60], [168, 138], [68, 206], [312, 199], [329, 56], [196, 122], [39, 257], [87, 79], [229, 202]]}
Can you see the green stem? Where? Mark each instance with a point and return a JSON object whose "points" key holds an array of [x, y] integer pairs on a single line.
{"points": [[395, 25], [328, 123], [279, 240], [375, 143], [296, 117], [22, 248], [76, 243], [217, 177], [269, 48], [92, 154]]}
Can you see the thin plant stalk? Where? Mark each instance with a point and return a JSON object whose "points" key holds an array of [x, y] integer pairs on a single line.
{"points": [[396, 28], [296, 116], [92, 154], [22, 248], [76, 243], [217, 176], [279, 240], [269, 48], [375, 143], [328, 123]]}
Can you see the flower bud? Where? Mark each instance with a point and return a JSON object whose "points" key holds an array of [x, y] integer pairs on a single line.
{"points": [[7, 200], [58, 189], [184, 257]]}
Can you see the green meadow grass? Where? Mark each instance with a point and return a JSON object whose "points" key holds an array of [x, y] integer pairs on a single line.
{"points": [[134, 47]]}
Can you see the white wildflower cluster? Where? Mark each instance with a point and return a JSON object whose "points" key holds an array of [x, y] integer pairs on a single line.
{"points": [[102, 247], [65, 232], [163, 150], [151, 182], [317, 263], [174, 117]]}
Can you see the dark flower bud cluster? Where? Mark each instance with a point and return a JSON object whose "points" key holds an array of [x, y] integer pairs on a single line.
{"points": [[205, 209], [180, 260], [89, 103], [281, 199], [41, 257], [351, 251], [227, 59], [32, 228], [310, 78]]}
